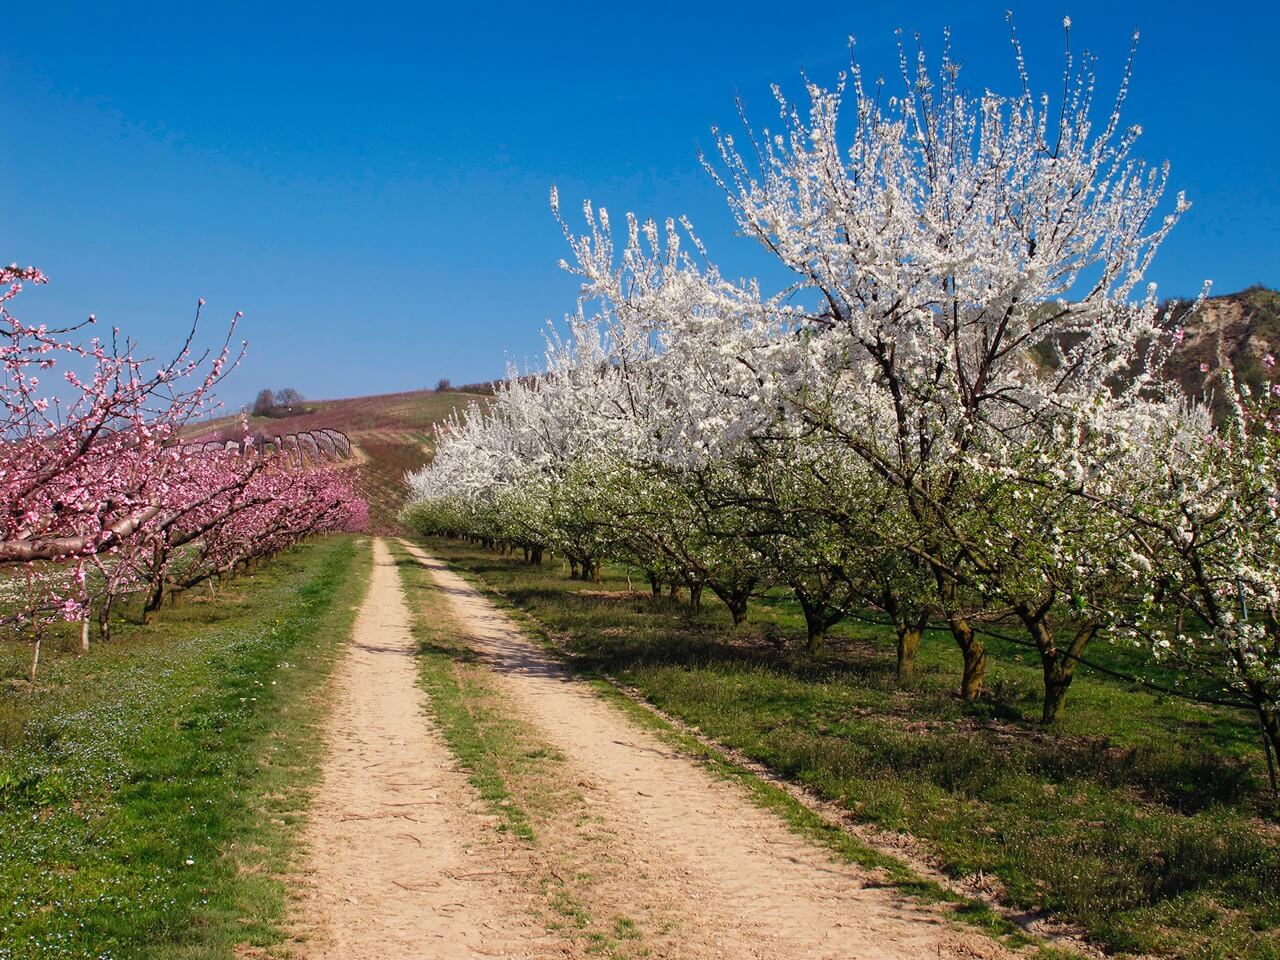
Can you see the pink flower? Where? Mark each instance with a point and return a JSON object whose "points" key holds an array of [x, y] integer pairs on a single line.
{"points": [[1269, 359], [1204, 368]]}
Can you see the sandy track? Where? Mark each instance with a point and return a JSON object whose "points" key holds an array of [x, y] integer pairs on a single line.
{"points": [[403, 862], [689, 845]]}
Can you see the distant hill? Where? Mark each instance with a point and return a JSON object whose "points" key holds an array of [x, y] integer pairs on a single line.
{"points": [[394, 433], [1238, 329], [391, 434]]}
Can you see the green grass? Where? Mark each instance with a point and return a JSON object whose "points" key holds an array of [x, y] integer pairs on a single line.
{"points": [[149, 791], [482, 737], [1142, 818]]}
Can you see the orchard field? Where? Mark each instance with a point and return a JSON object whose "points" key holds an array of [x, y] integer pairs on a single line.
{"points": [[916, 595]]}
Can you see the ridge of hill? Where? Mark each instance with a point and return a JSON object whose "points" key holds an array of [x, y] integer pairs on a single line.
{"points": [[1236, 329], [391, 434]]}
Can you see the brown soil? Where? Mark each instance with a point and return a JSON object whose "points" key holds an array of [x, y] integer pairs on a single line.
{"points": [[705, 872], [403, 861]]}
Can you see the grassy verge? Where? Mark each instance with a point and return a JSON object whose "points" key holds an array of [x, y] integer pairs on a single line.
{"points": [[1142, 819], [766, 793], [484, 739], [148, 791], [518, 775]]}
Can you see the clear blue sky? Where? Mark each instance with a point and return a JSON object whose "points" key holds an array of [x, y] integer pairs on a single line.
{"points": [[368, 183]]}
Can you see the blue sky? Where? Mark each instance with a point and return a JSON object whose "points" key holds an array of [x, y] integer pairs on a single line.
{"points": [[368, 183]]}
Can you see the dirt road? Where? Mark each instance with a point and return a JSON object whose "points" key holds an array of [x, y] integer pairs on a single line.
{"points": [[695, 867], [744, 884], [402, 864]]}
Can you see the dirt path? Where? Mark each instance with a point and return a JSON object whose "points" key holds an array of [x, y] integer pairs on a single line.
{"points": [[403, 860], [730, 879]]}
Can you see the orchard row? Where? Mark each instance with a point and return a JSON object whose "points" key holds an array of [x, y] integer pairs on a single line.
{"points": [[950, 411], [101, 497]]}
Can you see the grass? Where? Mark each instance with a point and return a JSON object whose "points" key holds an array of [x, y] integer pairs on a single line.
{"points": [[483, 738], [149, 790], [1143, 819]]}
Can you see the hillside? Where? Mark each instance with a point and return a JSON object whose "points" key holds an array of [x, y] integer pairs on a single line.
{"points": [[1239, 329], [391, 434]]}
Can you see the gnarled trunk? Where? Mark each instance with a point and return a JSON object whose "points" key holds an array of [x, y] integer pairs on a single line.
{"points": [[736, 599], [971, 648], [1058, 667], [155, 598], [975, 658], [819, 617], [908, 645], [909, 632]]}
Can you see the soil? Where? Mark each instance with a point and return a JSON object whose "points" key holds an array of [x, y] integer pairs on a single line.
{"points": [[403, 862], [702, 870], [642, 853]]}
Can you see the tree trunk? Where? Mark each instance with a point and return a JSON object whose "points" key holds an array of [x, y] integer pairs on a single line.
{"points": [[737, 601], [815, 622], [971, 648], [908, 644], [1057, 680], [535, 556], [819, 617], [1269, 720], [975, 660], [1058, 667], [154, 600], [104, 616], [84, 632], [35, 653], [695, 598], [573, 569], [655, 585], [909, 634]]}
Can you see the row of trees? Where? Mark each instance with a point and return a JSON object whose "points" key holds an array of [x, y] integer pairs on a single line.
{"points": [[101, 497], [952, 414], [277, 403]]}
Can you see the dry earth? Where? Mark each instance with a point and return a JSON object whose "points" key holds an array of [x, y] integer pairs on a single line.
{"points": [[405, 862]]}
